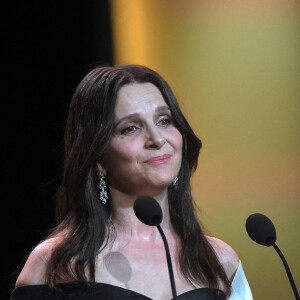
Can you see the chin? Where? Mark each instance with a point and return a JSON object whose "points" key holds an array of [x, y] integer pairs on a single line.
{"points": [[163, 184], [153, 189]]}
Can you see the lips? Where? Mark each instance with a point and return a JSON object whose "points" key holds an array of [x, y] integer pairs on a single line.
{"points": [[157, 160]]}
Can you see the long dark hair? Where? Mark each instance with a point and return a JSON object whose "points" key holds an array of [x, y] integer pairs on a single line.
{"points": [[81, 216]]}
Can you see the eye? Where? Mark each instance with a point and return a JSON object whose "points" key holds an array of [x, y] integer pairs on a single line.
{"points": [[129, 130], [164, 122]]}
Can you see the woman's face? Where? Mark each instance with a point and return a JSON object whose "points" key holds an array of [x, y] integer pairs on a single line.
{"points": [[144, 154]]}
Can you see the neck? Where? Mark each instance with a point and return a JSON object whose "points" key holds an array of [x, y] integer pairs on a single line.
{"points": [[127, 224]]}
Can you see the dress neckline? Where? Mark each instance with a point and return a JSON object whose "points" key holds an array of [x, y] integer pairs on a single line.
{"points": [[71, 284], [180, 295]]}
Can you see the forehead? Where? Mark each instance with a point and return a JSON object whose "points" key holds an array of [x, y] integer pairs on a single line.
{"points": [[138, 97]]}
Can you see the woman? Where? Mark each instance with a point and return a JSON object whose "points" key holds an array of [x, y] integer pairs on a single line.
{"points": [[126, 137]]}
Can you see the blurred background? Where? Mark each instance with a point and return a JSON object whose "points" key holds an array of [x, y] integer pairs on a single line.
{"points": [[235, 69]]}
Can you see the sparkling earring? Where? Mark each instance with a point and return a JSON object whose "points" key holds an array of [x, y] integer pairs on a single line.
{"points": [[175, 181], [102, 187]]}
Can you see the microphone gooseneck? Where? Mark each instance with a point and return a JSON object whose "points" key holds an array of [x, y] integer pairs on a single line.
{"points": [[262, 231], [149, 212]]}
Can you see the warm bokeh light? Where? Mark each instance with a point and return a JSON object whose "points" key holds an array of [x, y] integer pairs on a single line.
{"points": [[235, 67]]}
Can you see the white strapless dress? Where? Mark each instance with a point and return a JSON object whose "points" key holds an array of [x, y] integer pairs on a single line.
{"points": [[240, 287]]}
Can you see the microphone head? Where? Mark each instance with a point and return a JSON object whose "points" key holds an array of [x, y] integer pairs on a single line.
{"points": [[261, 229], [148, 210]]}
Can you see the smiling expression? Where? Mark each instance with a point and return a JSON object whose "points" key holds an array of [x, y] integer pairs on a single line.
{"points": [[144, 154]]}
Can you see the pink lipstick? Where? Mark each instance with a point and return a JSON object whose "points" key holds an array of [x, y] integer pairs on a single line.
{"points": [[158, 160]]}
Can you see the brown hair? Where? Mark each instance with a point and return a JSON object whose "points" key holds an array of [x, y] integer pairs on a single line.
{"points": [[79, 211]]}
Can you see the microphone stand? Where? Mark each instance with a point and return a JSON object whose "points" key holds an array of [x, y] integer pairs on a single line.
{"points": [[287, 269], [169, 262]]}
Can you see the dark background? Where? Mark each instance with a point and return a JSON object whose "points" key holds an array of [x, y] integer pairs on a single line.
{"points": [[48, 47]]}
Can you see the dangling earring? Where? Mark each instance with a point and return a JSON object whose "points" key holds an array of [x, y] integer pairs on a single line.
{"points": [[102, 187], [175, 181]]}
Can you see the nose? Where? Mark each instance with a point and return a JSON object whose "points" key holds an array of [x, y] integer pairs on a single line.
{"points": [[154, 140]]}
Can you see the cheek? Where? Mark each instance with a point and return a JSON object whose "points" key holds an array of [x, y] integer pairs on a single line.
{"points": [[175, 139], [120, 153], [179, 141]]}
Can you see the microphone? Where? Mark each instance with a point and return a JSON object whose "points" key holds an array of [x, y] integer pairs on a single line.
{"points": [[262, 231], [149, 212]]}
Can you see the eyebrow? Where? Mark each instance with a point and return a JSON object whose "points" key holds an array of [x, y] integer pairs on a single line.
{"points": [[132, 116]]}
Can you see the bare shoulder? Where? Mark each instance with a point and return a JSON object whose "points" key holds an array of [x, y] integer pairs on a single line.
{"points": [[34, 269], [227, 256]]}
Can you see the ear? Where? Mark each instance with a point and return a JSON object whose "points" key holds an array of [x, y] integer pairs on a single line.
{"points": [[101, 168]]}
